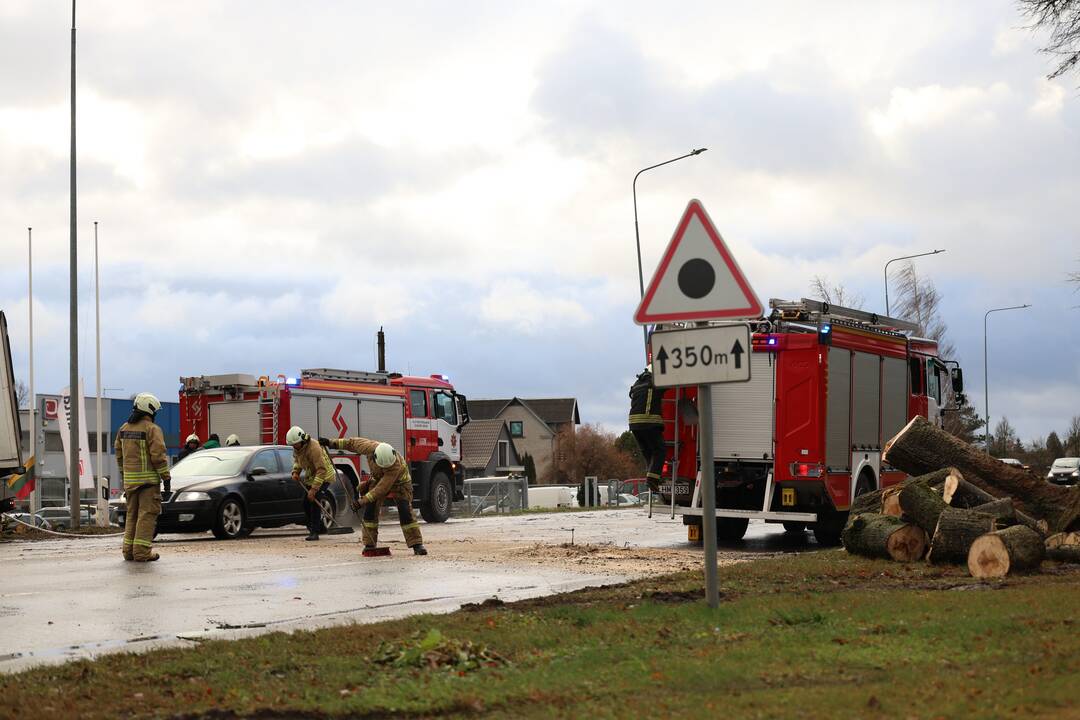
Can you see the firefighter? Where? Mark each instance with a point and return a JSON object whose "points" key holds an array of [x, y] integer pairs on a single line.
{"points": [[647, 425], [389, 473], [232, 441], [191, 444], [212, 442], [313, 459], [140, 455]]}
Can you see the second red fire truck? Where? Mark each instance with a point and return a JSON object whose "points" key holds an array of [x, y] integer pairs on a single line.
{"points": [[422, 417], [829, 386]]}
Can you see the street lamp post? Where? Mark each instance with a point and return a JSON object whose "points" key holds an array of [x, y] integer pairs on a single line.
{"points": [[906, 257], [637, 234], [986, 366]]}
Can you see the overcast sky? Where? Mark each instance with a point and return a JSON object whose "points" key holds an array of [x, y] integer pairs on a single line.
{"points": [[274, 180]]}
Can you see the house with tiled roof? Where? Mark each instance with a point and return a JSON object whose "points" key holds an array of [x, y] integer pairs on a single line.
{"points": [[487, 451], [534, 427]]}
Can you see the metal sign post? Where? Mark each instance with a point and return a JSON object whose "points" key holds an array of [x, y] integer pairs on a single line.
{"points": [[708, 494]]}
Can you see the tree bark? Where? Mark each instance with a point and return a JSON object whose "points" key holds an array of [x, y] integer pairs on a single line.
{"points": [[956, 531], [1004, 552], [886, 502], [1002, 510], [921, 448], [960, 493], [883, 536], [1064, 547], [921, 505]]}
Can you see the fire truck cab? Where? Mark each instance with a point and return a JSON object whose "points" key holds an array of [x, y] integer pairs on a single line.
{"points": [[829, 386], [422, 417]]}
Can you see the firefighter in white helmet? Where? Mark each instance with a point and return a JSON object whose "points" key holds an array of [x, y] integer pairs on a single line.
{"points": [[191, 444], [232, 441], [140, 455], [313, 460], [389, 473]]}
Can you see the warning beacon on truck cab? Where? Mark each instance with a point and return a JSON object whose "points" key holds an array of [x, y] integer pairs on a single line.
{"points": [[422, 417], [828, 387]]}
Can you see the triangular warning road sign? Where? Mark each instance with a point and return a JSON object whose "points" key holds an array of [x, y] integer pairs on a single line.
{"points": [[697, 278]]}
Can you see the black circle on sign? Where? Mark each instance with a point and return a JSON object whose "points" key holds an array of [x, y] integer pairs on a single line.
{"points": [[696, 278]]}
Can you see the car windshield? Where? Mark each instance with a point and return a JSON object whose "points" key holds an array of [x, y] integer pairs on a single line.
{"points": [[1067, 463], [211, 462]]}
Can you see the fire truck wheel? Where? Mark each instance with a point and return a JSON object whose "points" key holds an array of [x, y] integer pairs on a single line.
{"points": [[437, 507], [731, 529], [827, 531], [795, 528]]}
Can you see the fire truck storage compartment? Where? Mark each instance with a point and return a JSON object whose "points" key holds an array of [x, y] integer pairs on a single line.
{"points": [[894, 397], [376, 418], [866, 388], [743, 413], [237, 416], [838, 410]]}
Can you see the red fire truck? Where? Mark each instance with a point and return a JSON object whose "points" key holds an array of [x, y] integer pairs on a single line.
{"points": [[422, 417], [829, 386]]}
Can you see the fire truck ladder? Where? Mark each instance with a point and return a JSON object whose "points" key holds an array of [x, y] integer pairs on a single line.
{"points": [[816, 311], [269, 404]]}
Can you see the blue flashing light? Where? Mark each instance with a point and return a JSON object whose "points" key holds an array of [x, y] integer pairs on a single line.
{"points": [[826, 329], [292, 381], [771, 341]]}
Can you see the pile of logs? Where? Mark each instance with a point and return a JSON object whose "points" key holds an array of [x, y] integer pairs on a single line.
{"points": [[961, 505]]}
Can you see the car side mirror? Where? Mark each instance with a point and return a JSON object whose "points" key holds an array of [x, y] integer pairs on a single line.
{"points": [[256, 472], [957, 380]]}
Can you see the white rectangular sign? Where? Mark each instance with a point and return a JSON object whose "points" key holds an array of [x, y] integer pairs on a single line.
{"points": [[86, 471], [701, 356]]}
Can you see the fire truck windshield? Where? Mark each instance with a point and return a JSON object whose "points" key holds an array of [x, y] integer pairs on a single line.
{"points": [[445, 407]]}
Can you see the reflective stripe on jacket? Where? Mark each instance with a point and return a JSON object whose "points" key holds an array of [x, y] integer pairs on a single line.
{"points": [[315, 462], [645, 401], [140, 453]]}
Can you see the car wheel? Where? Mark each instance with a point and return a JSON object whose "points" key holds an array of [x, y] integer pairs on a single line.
{"points": [[229, 524], [328, 508], [437, 507]]}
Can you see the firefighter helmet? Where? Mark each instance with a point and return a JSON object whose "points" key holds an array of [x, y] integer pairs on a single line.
{"points": [[296, 435], [384, 455], [232, 441], [192, 438], [147, 403]]}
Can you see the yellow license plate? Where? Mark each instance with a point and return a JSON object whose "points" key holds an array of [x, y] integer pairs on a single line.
{"points": [[787, 496], [693, 533]]}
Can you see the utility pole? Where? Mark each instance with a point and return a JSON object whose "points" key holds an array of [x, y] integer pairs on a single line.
{"points": [[35, 494], [103, 482], [73, 388]]}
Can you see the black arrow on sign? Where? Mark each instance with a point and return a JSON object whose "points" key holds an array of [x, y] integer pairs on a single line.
{"points": [[737, 351], [661, 357]]}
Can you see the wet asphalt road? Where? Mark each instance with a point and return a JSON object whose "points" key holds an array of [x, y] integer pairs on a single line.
{"points": [[73, 598]]}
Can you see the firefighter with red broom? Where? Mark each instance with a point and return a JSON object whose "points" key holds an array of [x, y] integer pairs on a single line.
{"points": [[389, 473]]}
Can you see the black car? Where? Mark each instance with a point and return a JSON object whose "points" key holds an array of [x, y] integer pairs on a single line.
{"points": [[231, 491]]}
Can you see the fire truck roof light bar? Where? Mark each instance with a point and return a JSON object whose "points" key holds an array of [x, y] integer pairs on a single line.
{"points": [[807, 309], [346, 375]]}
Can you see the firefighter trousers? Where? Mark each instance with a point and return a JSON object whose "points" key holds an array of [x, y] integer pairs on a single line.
{"points": [[410, 526], [313, 511], [650, 438], [143, 508]]}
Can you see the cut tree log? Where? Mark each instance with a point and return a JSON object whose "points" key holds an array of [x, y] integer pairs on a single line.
{"points": [[1003, 511], [883, 536], [958, 492], [1064, 547], [921, 448], [921, 505], [1004, 552], [956, 531], [886, 502]]}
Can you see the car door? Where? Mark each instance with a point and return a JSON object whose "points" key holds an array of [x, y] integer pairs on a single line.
{"points": [[262, 492], [292, 500]]}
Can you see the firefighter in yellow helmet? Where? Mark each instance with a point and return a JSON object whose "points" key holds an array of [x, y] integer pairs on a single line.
{"points": [[313, 459], [140, 455], [389, 473]]}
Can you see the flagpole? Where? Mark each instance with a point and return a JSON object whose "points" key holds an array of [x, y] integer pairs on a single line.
{"points": [[102, 485], [73, 340], [34, 494]]}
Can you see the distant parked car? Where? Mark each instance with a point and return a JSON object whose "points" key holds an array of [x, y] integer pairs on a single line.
{"points": [[59, 518], [35, 520], [628, 499], [1012, 461], [1064, 471]]}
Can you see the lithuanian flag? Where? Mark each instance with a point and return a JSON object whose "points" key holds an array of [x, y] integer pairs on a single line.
{"points": [[22, 485]]}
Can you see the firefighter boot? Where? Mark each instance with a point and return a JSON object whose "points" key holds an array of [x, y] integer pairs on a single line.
{"points": [[149, 558], [419, 550]]}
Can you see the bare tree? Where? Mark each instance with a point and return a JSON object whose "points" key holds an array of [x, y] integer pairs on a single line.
{"points": [[22, 394], [1004, 442], [823, 289], [919, 302], [1062, 19], [1072, 438]]}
